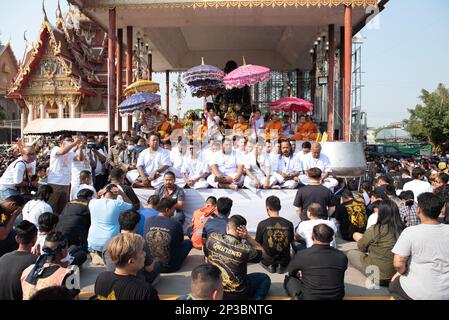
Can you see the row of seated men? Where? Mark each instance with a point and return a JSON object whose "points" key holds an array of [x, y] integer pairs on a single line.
{"points": [[231, 165]]}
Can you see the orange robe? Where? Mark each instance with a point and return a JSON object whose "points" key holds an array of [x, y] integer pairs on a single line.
{"points": [[165, 130], [273, 126], [240, 128], [178, 126], [307, 132]]}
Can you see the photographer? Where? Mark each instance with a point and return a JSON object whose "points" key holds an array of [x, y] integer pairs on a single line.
{"points": [[98, 162], [104, 217], [117, 155], [17, 177]]}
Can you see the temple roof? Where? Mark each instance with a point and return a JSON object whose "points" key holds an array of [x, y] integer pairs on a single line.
{"points": [[79, 47]]}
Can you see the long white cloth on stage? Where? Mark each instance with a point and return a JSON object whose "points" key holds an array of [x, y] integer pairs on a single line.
{"points": [[245, 202]]}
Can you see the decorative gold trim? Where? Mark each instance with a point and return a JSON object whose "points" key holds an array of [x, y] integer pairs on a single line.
{"points": [[131, 4]]}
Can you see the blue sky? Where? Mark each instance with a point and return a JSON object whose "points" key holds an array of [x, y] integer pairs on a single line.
{"points": [[408, 52]]}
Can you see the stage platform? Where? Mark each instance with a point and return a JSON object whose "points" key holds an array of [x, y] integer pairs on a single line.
{"points": [[246, 203]]}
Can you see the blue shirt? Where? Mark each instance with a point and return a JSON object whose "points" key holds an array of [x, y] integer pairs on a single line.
{"points": [[215, 224], [145, 213], [104, 215]]}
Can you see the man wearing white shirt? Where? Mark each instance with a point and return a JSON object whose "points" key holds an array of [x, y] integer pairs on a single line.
{"points": [[256, 123], [34, 208], [417, 185], [60, 171], [304, 230], [15, 176], [316, 159], [305, 150], [195, 171], [227, 168], [259, 174], [85, 182], [99, 157], [177, 159], [151, 164], [84, 164], [289, 167]]}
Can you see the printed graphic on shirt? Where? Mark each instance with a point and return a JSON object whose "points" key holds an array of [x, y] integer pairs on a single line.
{"points": [[110, 296], [159, 240], [357, 214], [277, 237]]}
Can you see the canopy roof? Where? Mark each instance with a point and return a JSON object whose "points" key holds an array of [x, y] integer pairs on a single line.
{"points": [[388, 134], [276, 34]]}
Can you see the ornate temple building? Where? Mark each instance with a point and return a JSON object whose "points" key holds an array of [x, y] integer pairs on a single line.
{"points": [[9, 129], [63, 76]]}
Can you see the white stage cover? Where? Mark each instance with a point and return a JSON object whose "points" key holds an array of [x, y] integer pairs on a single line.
{"points": [[246, 203]]}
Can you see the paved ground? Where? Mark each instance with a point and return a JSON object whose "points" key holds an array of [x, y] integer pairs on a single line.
{"points": [[179, 283]]}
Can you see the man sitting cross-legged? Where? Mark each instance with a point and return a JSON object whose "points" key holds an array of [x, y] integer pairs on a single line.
{"points": [[227, 168]]}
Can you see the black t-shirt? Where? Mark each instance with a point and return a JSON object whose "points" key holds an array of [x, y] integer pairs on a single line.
{"points": [[352, 218], [164, 237], [322, 272], [307, 195], [131, 195], [11, 267], [231, 256], [275, 234], [9, 244], [110, 286], [74, 223]]}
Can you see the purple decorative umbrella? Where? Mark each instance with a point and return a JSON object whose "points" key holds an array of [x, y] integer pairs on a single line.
{"points": [[204, 80], [139, 101], [246, 75]]}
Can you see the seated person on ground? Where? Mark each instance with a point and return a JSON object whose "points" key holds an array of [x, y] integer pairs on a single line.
{"points": [[207, 284], [127, 253], [351, 216], [148, 212], [231, 255], [303, 232], [194, 169], [375, 245], [10, 210], [322, 269], [289, 167], [50, 269], [199, 219], [165, 237], [275, 235], [128, 221], [218, 221]]}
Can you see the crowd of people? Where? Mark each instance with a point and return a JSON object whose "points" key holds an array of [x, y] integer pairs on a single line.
{"points": [[71, 199]]}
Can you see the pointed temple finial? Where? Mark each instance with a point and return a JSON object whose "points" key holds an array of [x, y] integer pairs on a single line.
{"points": [[58, 10], [43, 10]]}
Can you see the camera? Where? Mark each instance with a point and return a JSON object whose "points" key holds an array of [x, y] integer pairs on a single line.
{"points": [[91, 145]]}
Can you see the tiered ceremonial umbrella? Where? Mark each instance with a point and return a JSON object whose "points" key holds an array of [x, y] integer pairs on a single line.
{"points": [[291, 104], [139, 102], [204, 80], [246, 75], [145, 86]]}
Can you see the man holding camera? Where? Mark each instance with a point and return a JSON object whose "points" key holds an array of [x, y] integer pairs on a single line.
{"points": [[98, 162], [60, 170]]}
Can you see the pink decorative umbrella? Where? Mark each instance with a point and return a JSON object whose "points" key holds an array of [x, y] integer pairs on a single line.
{"points": [[246, 75], [291, 104]]}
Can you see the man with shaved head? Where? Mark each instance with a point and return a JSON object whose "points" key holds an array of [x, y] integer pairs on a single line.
{"points": [[17, 176], [316, 159]]}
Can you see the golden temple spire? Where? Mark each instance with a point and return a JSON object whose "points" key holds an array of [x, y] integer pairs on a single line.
{"points": [[43, 10]]}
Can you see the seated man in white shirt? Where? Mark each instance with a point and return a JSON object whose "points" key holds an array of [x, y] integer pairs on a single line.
{"points": [[258, 169], [152, 163], [177, 157], [227, 168], [316, 159], [208, 152], [289, 167], [303, 231], [305, 150], [195, 171], [418, 185], [257, 123]]}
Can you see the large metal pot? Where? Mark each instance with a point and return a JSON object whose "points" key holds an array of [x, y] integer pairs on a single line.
{"points": [[347, 159]]}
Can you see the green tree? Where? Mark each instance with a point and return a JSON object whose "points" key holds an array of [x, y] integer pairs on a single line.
{"points": [[429, 121]]}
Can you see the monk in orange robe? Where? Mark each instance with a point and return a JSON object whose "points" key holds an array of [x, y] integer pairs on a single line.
{"points": [[274, 124], [164, 128], [241, 126], [202, 129], [306, 130], [176, 125]]}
